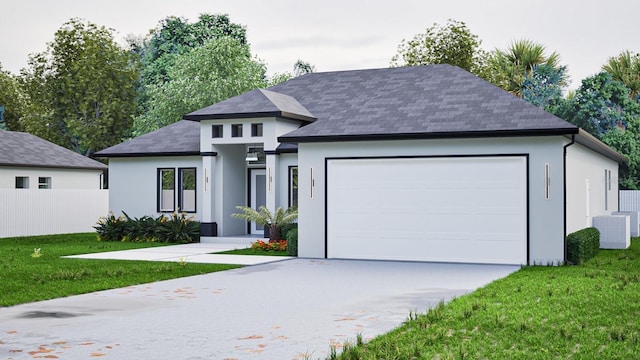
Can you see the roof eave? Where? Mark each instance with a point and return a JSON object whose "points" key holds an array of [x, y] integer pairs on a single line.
{"points": [[104, 167], [146, 154], [591, 142], [248, 115], [431, 135]]}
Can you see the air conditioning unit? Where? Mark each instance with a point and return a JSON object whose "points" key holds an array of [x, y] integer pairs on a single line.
{"points": [[634, 216], [614, 231]]}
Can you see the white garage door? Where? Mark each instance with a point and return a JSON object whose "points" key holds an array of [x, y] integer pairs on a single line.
{"points": [[454, 209]]}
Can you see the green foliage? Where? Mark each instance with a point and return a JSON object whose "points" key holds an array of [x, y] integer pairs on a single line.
{"points": [[177, 228], [508, 68], [27, 279], [292, 241], [625, 68], [559, 312], [208, 74], [81, 89], [299, 68], [452, 44], [264, 217], [277, 245], [543, 86], [13, 100], [626, 142], [583, 245]]}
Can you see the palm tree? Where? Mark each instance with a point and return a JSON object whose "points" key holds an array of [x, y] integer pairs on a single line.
{"points": [[264, 217], [626, 69], [509, 67]]}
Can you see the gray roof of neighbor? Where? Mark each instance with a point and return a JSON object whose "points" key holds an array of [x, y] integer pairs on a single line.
{"points": [[255, 103], [22, 149], [408, 102], [179, 138]]}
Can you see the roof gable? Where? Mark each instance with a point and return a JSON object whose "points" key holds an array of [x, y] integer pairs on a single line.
{"points": [[255, 103], [179, 138], [23, 149]]}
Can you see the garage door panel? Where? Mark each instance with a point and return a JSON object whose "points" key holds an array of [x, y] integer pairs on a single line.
{"points": [[428, 209]]}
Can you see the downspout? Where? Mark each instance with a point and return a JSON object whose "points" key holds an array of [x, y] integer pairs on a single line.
{"points": [[564, 184]]}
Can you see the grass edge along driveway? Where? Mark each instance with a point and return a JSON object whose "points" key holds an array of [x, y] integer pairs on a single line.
{"points": [[26, 277], [590, 311]]}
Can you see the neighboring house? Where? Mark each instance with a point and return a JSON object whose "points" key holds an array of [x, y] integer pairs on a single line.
{"points": [[47, 189], [425, 163]]}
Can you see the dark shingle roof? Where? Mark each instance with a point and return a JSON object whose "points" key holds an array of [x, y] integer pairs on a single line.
{"points": [[255, 103], [180, 138], [22, 149], [412, 102]]}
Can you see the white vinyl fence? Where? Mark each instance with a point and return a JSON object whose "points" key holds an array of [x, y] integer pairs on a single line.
{"points": [[629, 200], [25, 212]]}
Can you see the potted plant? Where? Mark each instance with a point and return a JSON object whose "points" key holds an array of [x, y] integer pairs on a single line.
{"points": [[264, 217]]}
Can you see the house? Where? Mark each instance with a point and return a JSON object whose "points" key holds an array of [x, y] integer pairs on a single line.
{"points": [[47, 189], [425, 163]]}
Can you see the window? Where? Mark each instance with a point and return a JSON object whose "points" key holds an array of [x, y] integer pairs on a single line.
{"points": [[187, 195], [236, 130], [216, 131], [166, 190], [44, 183], [293, 186], [256, 130], [22, 182]]}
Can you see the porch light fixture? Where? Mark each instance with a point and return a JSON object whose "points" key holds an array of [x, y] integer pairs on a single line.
{"points": [[251, 155]]}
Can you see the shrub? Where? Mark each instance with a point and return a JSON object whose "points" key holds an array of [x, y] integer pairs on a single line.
{"points": [[582, 245], [292, 241], [263, 217], [178, 228], [277, 245]]}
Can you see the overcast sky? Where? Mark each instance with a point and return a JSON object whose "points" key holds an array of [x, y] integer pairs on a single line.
{"points": [[344, 34]]}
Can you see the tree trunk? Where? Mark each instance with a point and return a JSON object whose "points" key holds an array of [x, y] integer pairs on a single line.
{"points": [[274, 233]]}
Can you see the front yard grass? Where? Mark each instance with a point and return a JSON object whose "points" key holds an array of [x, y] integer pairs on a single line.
{"points": [[25, 278], [590, 311]]}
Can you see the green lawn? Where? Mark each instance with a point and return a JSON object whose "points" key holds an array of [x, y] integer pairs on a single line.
{"points": [[590, 311], [24, 278]]}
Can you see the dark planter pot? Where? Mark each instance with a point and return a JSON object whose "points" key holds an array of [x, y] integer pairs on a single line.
{"points": [[267, 231]]}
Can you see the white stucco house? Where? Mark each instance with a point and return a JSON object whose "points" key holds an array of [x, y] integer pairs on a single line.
{"points": [[47, 189], [423, 163]]}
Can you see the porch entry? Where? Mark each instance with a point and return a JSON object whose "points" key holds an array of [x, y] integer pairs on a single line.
{"points": [[257, 195]]}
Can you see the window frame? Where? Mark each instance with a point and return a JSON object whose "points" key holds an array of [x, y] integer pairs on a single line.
{"points": [[236, 130], [159, 189], [217, 131], [257, 130], [181, 190], [46, 184], [25, 181], [293, 191]]}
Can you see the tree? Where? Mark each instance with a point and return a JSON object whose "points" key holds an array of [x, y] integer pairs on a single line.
{"points": [[12, 99], [543, 86], [508, 68], [626, 69], [264, 217], [626, 142], [208, 74], [173, 37], [299, 68], [450, 44], [81, 89]]}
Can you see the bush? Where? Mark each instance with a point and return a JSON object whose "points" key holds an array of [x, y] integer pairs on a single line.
{"points": [[277, 245], [292, 241], [582, 245], [178, 228]]}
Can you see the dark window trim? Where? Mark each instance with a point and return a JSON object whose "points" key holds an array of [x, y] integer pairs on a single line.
{"points": [[217, 131], [290, 173], [23, 182], [180, 195], [528, 197], [159, 190], [236, 130], [254, 130]]}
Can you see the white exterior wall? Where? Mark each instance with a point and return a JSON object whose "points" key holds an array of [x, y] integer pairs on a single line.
{"points": [[60, 178], [546, 216], [586, 175], [229, 188], [133, 183]]}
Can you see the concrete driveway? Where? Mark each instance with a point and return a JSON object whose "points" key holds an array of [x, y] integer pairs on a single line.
{"points": [[293, 309]]}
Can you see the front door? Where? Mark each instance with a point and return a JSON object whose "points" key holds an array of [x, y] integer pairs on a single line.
{"points": [[258, 195]]}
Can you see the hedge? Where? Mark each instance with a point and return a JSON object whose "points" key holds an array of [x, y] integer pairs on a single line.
{"points": [[582, 245]]}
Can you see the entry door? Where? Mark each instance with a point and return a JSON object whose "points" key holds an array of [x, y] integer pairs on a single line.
{"points": [[258, 191]]}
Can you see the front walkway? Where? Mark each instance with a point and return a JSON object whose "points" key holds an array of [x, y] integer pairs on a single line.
{"points": [[192, 253]]}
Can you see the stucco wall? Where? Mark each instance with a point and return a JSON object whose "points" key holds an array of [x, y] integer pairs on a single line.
{"points": [[133, 183], [586, 183], [546, 220], [284, 162], [60, 178]]}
